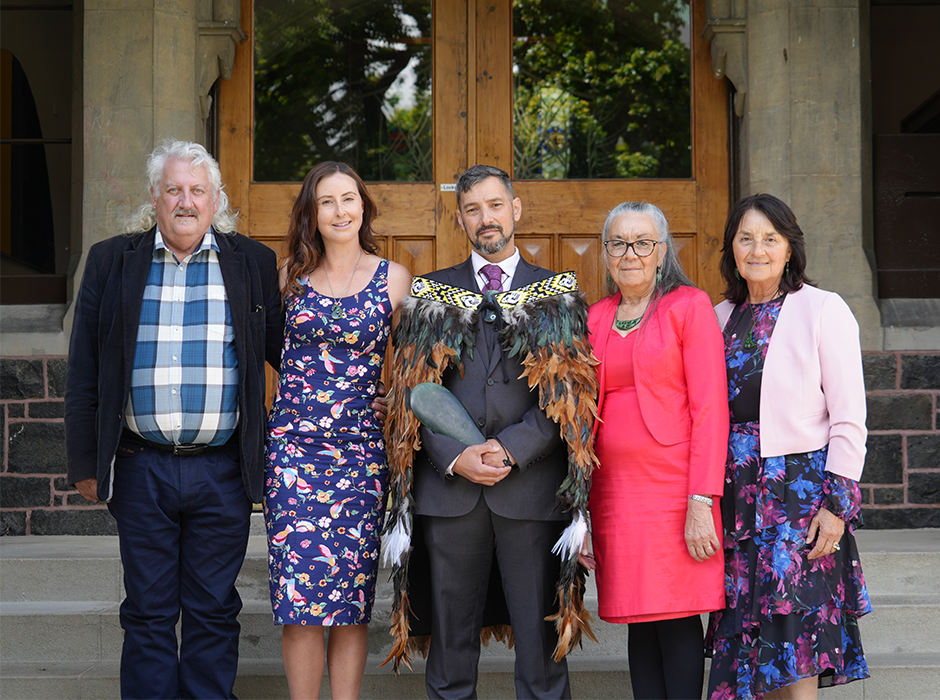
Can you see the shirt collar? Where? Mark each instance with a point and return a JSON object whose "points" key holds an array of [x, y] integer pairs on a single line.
{"points": [[508, 266], [208, 241]]}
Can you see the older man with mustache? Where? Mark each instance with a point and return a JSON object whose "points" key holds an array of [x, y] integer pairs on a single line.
{"points": [[164, 417]]}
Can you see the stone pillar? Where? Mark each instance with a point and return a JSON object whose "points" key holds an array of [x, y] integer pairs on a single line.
{"points": [[799, 74]]}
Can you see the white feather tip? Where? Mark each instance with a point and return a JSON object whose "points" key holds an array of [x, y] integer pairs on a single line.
{"points": [[569, 544]]}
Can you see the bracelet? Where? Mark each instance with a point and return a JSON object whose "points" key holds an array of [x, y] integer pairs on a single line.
{"points": [[707, 500]]}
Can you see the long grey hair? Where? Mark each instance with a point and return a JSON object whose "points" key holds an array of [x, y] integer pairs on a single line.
{"points": [[224, 221]]}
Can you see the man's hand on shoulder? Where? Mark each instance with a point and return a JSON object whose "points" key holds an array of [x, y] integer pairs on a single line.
{"points": [[380, 403], [88, 488], [471, 465]]}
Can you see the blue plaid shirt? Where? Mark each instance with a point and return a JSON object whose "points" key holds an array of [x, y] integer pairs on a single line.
{"points": [[184, 386]]}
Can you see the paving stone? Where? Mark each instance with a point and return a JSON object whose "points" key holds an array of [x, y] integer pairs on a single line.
{"points": [[923, 451], [880, 371], [16, 410], [900, 412], [21, 379], [55, 371], [24, 492], [37, 448], [923, 487], [12, 523], [900, 518], [883, 463], [920, 371], [93, 521], [47, 409]]}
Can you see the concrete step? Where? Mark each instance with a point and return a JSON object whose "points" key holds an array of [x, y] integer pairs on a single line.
{"points": [[59, 600], [895, 562], [91, 631], [893, 677]]}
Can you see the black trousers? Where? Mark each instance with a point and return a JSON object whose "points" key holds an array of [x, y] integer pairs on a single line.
{"points": [[667, 659], [462, 551]]}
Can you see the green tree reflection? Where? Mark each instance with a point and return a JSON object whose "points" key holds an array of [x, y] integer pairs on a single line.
{"points": [[602, 88], [324, 70]]}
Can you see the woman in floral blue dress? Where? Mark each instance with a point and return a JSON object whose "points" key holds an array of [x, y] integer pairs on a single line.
{"points": [[793, 583], [326, 471]]}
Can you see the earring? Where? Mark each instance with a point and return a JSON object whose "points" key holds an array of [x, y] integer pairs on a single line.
{"points": [[737, 274], [786, 269], [659, 275]]}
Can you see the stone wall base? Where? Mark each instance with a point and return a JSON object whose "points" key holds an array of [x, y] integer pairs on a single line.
{"points": [[900, 484]]}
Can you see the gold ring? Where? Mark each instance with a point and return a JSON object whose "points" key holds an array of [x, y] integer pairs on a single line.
{"points": [[836, 547]]}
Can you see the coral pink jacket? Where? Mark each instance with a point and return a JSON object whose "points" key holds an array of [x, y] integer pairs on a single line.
{"points": [[812, 386], [681, 380]]}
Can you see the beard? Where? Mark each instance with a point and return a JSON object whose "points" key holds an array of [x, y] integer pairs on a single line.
{"points": [[493, 246]]}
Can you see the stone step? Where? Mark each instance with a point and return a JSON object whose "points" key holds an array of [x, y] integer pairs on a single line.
{"points": [[895, 562], [90, 631], [893, 677]]}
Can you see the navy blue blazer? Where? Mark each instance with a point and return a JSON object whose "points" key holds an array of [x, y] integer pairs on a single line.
{"points": [[506, 409], [104, 340]]}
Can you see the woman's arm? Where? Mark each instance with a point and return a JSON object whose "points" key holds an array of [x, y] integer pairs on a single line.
{"points": [[707, 385]]}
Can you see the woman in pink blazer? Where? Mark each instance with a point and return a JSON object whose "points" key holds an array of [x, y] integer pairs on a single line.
{"points": [[796, 393], [661, 441]]}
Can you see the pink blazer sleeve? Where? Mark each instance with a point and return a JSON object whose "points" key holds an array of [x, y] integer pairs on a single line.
{"points": [[843, 385], [703, 359]]}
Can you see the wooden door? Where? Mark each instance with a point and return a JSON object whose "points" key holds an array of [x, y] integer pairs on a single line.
{"points": [[472, 123]]}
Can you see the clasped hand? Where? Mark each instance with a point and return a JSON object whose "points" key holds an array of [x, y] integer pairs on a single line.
{"points": [[483, 464]]}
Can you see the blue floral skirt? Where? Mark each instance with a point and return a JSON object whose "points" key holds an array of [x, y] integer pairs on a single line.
{"points": [[786, 618]]}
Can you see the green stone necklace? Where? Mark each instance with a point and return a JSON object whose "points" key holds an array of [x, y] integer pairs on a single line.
{"points": [[627, 325]]}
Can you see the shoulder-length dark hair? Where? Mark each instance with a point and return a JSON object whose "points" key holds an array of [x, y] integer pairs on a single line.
{"points": [[782, 218], [304, 247]]}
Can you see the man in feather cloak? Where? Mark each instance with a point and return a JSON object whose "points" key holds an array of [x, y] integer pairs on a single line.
{"points": [[483, 534]]}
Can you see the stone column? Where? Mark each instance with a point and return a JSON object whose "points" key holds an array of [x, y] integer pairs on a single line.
{"points": [[803, 131]]}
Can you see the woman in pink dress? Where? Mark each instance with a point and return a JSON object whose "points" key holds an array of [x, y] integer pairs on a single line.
{"points": [[661, 441]]}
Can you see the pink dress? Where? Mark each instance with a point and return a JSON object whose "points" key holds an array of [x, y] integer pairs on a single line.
{"points": [[638, 504]]}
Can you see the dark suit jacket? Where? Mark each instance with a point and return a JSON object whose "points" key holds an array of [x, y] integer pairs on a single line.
{"points": [[104, 340], [506, 410]]}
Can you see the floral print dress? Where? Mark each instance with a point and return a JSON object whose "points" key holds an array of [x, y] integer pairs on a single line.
{"points": [[326, 472], [786, 617]]}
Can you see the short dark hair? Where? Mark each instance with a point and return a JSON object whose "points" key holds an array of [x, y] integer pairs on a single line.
{"points": [[782, 218], [479, 173]]}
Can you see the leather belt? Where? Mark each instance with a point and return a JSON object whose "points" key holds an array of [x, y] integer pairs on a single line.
{"points": [[178, 450]]}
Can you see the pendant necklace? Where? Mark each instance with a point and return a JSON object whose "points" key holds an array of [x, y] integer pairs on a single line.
{"points": [[629, 324], [337, 311]]}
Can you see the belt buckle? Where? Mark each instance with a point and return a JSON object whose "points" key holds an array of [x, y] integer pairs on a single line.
{"points": [[188, 450]]}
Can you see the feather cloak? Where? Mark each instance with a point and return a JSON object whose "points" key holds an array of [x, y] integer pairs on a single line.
{"points": [[544, 325]]}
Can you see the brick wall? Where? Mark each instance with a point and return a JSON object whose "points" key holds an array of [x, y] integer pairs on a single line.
{"points": [[34, 496], [900, 484], [901, 481]]}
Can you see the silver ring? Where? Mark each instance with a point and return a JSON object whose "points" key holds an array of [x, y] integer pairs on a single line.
{"points": [[836, 547]]}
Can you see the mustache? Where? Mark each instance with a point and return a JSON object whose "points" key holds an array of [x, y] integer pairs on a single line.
{"points": [[481, 229], [183, 211]]}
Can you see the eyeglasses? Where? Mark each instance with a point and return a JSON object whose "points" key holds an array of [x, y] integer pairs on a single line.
{"points": [[617, 249]]}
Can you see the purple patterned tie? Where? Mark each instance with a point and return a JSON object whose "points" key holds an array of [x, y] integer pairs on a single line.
{"points": [[494, 275]]}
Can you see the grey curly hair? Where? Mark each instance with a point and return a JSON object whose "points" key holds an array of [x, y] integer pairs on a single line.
{"points": [[224, 221]]}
